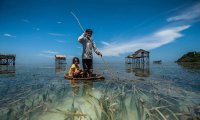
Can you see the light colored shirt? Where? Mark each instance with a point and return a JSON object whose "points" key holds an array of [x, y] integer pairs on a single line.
{"points": [[87, 47]]}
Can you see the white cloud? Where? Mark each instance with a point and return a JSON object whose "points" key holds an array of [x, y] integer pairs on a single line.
{"points": [[56, 34], [59, 22], [8, 35], [36, 29], [46, 55], [188, 14], [50, 52], [25, 20], [152, 41], [105, 43], [60, 41], [79, 47]]}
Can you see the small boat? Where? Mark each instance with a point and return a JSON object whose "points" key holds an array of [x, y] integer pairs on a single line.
{"points": [[93, 77], [157, 62]]}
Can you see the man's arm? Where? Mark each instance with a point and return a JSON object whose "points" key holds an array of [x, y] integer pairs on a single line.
{"points": [[95, 48], [82, 37]]}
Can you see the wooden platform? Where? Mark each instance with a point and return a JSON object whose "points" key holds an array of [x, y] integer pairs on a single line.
{"points": [[7, 72], [94, 77]]}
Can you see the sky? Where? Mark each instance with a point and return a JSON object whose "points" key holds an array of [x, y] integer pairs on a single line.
{"points": [[37, 30]]}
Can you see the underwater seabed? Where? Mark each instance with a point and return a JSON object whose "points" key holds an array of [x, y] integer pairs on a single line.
{"points": [[107, 100], [120, 97]]}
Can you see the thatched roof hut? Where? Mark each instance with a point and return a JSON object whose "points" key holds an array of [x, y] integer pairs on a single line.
{"points": [[60, 57]]}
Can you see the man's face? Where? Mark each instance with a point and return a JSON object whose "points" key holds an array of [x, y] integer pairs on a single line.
{"points": [[89, 34]]}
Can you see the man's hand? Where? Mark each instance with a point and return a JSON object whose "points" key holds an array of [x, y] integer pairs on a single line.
{"points": [[100, 54], [85, 34], [88, 37]]}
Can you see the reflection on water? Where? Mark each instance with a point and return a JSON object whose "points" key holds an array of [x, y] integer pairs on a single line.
{"points": [[37, 93], [7, 69], [141, 70], [189, 65], [87, 87], [60, 68], [75, 87]]}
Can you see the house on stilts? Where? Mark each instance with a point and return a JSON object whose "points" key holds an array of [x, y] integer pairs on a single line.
{"points": [[139, 57], [60, 63], [7, 63], [138, 63], [60, 59]]}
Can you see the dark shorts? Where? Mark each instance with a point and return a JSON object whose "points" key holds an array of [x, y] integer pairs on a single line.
{"points": [[87, 64]]}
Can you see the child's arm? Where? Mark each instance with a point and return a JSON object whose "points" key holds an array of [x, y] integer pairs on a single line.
{"points": [[73, 71]]}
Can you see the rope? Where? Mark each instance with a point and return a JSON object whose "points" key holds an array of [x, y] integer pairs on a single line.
{"points": [[114, 76]]}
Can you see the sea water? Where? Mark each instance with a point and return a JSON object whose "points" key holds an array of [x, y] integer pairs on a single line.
{"points": [[166, 91]]}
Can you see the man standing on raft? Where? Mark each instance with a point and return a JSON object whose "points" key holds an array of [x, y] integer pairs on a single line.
{"points": [[88, 44]]}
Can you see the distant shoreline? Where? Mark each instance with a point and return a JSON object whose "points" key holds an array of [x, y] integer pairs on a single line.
{"points": [[190, 57], [186, 62]]}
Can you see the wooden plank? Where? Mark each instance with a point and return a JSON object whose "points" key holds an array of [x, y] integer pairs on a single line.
{"points": [[97, 77]]}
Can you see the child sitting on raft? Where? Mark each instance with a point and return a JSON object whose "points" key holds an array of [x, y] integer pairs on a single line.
{"points": [[74, 70]]}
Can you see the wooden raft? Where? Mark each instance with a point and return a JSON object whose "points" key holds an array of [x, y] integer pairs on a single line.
{"points": [[93, 77]]}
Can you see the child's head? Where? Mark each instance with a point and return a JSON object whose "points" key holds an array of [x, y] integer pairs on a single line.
{"points": [[75, 60]]}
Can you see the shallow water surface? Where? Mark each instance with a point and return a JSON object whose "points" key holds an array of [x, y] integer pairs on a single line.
{"points": [[165, 91]]}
